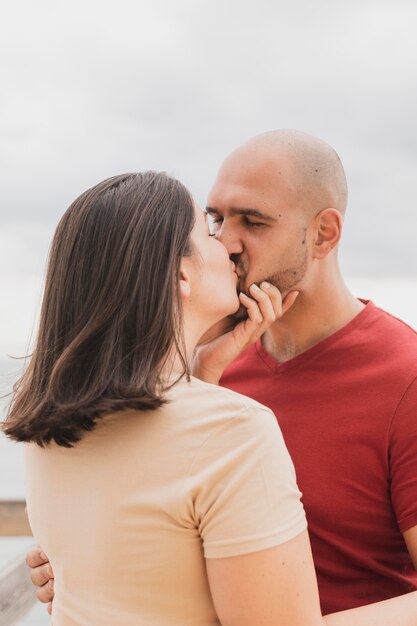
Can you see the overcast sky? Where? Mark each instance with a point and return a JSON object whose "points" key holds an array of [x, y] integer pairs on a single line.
{"points": [[94, 88]]}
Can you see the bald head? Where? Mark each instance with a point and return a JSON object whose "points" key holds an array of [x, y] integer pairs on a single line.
{"points": [[309, 168], [277, 205]]}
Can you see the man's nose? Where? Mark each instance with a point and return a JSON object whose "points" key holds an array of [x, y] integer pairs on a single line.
{"points": [[230, 239]]}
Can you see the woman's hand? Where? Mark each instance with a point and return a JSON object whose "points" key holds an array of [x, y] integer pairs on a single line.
{"points": [[225, 341]]}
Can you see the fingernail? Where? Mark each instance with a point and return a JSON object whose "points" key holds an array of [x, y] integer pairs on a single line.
{"points": [[43, 556], [254, 286], [265, 284], [244, 295]]}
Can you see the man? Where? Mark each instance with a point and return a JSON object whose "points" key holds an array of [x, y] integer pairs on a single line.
{"points": [[339, 373]]}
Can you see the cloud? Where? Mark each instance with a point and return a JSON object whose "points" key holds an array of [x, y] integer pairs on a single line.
{"points": [[92, 89]]}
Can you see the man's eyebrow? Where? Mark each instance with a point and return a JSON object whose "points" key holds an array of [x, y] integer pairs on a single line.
{"points": [[241, 211]]}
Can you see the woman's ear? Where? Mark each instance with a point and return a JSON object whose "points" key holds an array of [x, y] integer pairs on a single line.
{"points": [[329, 224], [185, 285]]}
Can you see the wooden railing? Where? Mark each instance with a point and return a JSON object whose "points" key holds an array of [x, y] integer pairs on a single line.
{"points": [[13, 519], [17, 594]]}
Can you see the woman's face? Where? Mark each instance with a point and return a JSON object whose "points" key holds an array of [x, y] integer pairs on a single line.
{"points": [[213, 280]]}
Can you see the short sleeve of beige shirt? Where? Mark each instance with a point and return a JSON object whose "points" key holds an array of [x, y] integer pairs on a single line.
{"points": [[244, 487], [127, 515]]}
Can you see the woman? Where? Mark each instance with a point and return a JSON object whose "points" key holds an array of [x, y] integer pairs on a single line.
{"points": [[159, 499]]}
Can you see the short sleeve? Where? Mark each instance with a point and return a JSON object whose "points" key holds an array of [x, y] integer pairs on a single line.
{"points": [[403, 459], [247, 499]]}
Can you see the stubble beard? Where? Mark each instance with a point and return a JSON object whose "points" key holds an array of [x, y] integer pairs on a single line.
{"points": [[284, 280]]}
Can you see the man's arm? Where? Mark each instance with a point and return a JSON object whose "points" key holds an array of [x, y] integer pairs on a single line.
{"points": [[410, 537], [298, 590], [278, 586], [403, 467]]}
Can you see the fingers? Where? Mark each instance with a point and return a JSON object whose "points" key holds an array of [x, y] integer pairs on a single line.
{"points": [[289, 300], [46, 593], [41, 575], [280, 306], [36, 557], [274, 296], [263, 304], [268, 299], [264, 307], [261, 312], [252, 308]]}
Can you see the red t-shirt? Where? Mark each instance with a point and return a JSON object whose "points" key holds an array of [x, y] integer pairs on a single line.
{"points": [[348, 410]]}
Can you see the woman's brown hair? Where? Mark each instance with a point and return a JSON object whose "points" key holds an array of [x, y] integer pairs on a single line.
{"points": [[111, 311]]}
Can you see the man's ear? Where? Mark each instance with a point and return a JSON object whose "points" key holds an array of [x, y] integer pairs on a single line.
{"points": [[185, 285], [328, 230]]}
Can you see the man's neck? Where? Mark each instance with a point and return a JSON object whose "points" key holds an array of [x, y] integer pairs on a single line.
{"points": [[316, 314]]}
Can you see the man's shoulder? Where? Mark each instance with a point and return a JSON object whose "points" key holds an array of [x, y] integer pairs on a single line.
{"points": [[386, 347], [395, 331]]}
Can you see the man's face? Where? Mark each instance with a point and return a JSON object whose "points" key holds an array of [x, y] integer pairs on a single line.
{"points": [[255, 216]]}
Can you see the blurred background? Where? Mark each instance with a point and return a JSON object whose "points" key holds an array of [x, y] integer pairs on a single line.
{"points": [[90, 89]]}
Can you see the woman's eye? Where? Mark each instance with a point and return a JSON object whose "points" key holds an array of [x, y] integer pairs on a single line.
{"points": [[214, 224]]}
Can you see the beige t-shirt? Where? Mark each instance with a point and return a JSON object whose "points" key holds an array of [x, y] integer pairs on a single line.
{"points": [[128, 515]]}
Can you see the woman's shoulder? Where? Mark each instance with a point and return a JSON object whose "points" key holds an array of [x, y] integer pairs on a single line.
{"points": [[210, 404], [222, 395]]}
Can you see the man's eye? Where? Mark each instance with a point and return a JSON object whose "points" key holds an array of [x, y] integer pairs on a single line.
{"points": [[216, 220], [253, 224]]}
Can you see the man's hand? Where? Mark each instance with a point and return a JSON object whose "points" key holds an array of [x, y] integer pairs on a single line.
{"points": [[41, 575], [225, 341]]}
